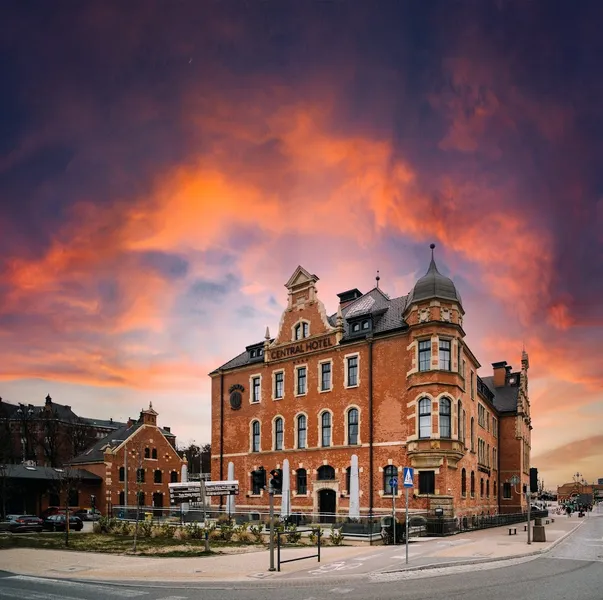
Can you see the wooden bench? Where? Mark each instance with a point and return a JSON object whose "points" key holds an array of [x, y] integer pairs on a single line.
{"points": [[552, 520], [547, 522], [512, 530]]}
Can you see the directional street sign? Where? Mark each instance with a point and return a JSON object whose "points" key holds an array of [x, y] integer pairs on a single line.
{"points": [[185, 492], [222, 488], [408, 476], [393, 482]]}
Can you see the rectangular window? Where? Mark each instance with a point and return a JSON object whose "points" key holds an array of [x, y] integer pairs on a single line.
{"points": [[445, 355], [424, 355], [352, 371], [458, 357], [494, 427], [301, 380], [255, 382], [279, 379], [472, 385], [494, 459], [481, 415], [326, 429], [426, 482], [302, 482], [424, 418], [463, 371], [507, 491], [301, 431], [325, 376]]}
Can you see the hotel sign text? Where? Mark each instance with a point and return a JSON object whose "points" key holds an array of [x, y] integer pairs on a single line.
{"points": [[301, 348]]}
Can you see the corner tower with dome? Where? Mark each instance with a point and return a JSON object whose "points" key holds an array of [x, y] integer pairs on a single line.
{"points": [[342, 401]]}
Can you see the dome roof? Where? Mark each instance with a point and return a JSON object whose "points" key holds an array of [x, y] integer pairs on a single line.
{"points": [[434, 285]]}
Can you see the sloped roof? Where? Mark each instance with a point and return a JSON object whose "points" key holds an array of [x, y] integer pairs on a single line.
{"points": [[48, 473], [387, 316], [505, 397], [434, 285]]}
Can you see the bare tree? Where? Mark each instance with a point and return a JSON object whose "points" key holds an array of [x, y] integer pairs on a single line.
{"points": [[52, 437], [26, 420], [66, 480], [82, 436], [140, 479]]}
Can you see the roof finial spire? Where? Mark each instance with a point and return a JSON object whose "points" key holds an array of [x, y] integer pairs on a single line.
{"points": [[377, 278], [432, 246]]}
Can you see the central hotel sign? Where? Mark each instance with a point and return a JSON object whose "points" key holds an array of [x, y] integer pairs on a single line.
{"points": [[301, 348]]}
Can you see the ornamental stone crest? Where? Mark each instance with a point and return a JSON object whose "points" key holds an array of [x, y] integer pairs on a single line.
{"points": [[236, 396], [424, 315], [445, 314]]}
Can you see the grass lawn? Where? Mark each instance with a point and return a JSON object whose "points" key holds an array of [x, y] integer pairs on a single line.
{"points": [[114, 544]]}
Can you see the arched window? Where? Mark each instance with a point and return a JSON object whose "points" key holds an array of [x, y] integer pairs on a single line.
{"points": [[302, 481], [494, 488], [255, 436], [325, 473], [445, 418], [301, 330], [157, 499], [472, 434], [147, 453], [140, 475], [481, 487], [472, 484], [353, 426], [424, 418], [122, 473], [388, 473], [302, 431], [154, 453], [326, 429], [487, 488], [459, 422], [278, 433], [174, 477], [464, 483], [122, 499], [158, 476]]}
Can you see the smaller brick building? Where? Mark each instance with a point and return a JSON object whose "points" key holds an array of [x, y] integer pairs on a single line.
{"points": [[138, 458]]}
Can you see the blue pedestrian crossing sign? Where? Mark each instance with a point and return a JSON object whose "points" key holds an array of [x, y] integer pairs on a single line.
{"points": [[393, 482], [408, 475]]}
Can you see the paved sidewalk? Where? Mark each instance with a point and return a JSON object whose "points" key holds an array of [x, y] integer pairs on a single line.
{"points": [[475, 546]]}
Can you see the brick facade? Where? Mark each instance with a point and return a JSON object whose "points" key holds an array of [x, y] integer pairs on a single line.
{"points": [[399, 387]]}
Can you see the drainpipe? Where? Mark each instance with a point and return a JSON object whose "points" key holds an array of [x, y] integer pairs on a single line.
{"points": [[221, 434], [370, 406]]}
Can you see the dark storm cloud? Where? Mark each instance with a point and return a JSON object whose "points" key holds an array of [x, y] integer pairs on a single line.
{"points": [[169, 266]]}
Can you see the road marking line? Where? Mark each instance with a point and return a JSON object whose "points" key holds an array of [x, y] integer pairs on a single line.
{"points": [[113, 591], [173, 598], [30, 595], [339, 590]]}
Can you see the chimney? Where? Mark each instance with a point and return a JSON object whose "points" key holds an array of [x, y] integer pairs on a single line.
{"points": [[48, 400], [500, 373], [168, 429], [130, 422], [348, 297]]}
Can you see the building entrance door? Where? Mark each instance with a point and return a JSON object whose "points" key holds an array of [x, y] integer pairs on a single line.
{"points": [[326, 506]]}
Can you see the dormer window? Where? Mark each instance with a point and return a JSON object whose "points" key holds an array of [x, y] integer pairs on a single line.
{"points": [[361, 326], [252, 354], [356, 327]]}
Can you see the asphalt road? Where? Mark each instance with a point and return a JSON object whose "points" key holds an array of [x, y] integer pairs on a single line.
{"points": [[571, 571]]}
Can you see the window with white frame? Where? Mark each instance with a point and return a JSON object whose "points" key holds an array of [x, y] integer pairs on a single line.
{"points": [[302, 431], [278, 433], [424, 355], [325, 429], [279, 384], [445, 418], [301, 380], [352, 426], [352, 371], [445, 355], [255, 436], [425, 418], [256, 388], [325, 376], [301, 330]]}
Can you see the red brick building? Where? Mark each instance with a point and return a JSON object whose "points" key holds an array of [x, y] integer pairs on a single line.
{"points": [[140, 459], [356, 396]]}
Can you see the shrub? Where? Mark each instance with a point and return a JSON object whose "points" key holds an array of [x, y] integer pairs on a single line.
{"points": [[215, 535], [245, 537], [226, 531], [224, 519], [181, 533], [145, 528], [96, 527], [336, 537], [313, 537], [256, 532], [294, 536]]}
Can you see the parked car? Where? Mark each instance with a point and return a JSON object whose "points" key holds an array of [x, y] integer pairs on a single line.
{"points": [[21, 523], [88, 514], [57, 523]]}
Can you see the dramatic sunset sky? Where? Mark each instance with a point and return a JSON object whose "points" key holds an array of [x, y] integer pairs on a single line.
{"points": [[165, 166]]}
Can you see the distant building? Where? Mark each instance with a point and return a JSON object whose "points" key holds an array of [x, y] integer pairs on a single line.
{"points": [[575, 489], [342, 402], [47, 435], [136, 462]]}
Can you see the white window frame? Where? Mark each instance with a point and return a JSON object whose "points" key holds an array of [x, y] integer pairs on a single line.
{"points": [[251, 378], [274, 384], [345, 370], [251, 450], [419, 341], [300, 323], [296, 430], [274, 448], [346, 424], [430, 400], [295, 383], [319, 387], [320, 414]]}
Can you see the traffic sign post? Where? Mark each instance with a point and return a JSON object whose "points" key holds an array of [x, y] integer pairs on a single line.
{"points": [[408, 483], [393, 483]]}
